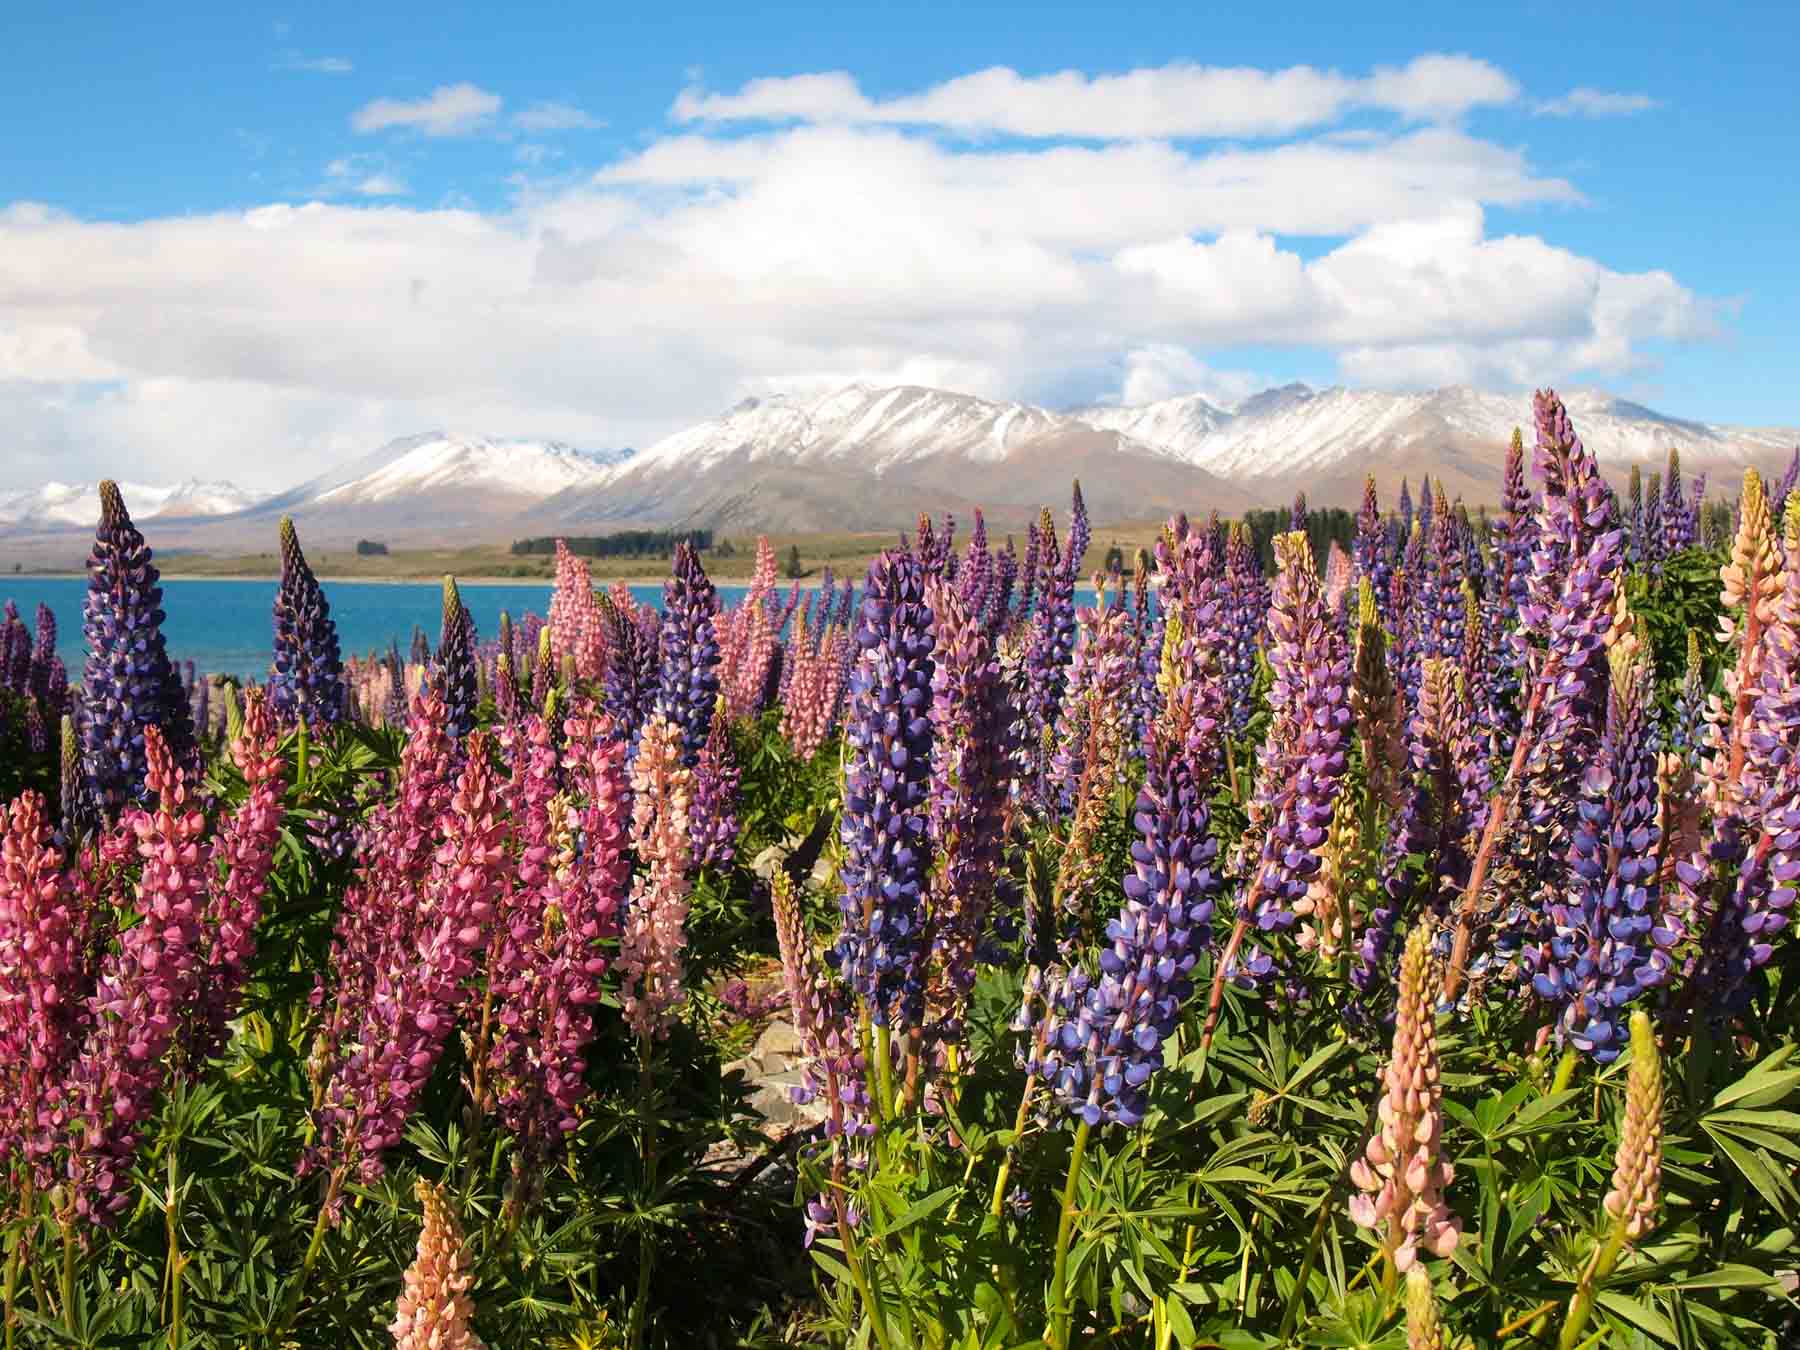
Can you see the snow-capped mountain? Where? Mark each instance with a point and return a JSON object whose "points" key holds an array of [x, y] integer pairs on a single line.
{"points": [[1295, 430], [56, 505], [870, 458], [439, 463], [1173, 424]]}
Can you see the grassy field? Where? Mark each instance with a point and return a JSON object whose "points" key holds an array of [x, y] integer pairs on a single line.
{"points": [[846, 554]]}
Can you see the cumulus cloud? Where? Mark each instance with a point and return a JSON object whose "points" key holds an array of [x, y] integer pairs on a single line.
{"points": [[449, 110], [542, 117], [613, 308], [1585, 102], [1175, 101]]}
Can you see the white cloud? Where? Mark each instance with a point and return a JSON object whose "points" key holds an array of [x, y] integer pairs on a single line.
{"points": [[316, 65], [543, 117], [383, 185], [611, 310], [1164, 102], [1162, 370], [450, 110], [1585, 102]]}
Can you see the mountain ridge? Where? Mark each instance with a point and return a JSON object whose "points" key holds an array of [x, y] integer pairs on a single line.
{"points": [[865, 456]]}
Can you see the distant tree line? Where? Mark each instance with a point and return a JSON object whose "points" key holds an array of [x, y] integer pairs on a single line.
{"points": [[619, 544], [1323, 527], [370, 548]]}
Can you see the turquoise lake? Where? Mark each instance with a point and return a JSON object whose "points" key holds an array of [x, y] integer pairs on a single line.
{"points": [[223, 627]]}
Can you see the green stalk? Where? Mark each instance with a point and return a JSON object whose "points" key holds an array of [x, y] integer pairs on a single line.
{"points": [[1060, 1314], [1581, 1306], [884, 1069], [176, 1264], [68, 1276], [1564, 1071], [646, 1248], [15, 1258]]}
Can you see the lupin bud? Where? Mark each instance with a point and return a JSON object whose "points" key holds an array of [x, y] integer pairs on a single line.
{"points": [[1637, 1167], [1402, 1175], [1424, 1329]]}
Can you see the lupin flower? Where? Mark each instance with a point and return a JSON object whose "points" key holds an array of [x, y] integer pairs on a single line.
{"points": [[242, 852], [1108, 1041], [1244, 610], [1752, 779], [975, 579], [972, 749], [887, 764], [1634, 517], [815, 688], [1677, 516], [1637, 1165], [650, 951], [1370, 550], [144, 989], [308, 679], [1424, 1328], [405, 955], [1050, 647], [575, 628], [1297, 517], [747, 639], [1403, 1174], [41, 961], [545, 964], [1607, 945], [1576, 566], [1443, 809], [129, 684], [823, 1018], [435, 1311], [1303, 761], [455, 663], [506, 685], [1631, 1203], [1436, 616], [689, 690], [1097, 706], [714, 817], [629, 687]]}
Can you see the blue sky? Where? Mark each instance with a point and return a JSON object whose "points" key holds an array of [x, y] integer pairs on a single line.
{"points": [[244, 242]]}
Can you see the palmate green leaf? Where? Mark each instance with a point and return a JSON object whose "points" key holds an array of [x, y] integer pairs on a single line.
{"points": [[1764, 1085], [1757, 1168], [1731, 1276], [1639, 1314]]}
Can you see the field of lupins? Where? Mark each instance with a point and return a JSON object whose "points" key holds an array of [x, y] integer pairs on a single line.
{"points": [[1391, 950]]}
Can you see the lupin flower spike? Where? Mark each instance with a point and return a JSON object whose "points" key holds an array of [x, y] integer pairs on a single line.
{"points": [[145, 987], [1424, 1328], [574, 626], [456, 662], [1637, 1166], [129, 684], [689, 691], [1630, 1206], [1402, 1174], [308, 681], [435, 1311], [650, 951], [888, 746]]}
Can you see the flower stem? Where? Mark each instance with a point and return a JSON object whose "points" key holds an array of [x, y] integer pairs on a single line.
{"points": [[1581, 1306], [646, 1248], [176, 1264], [1060, 1314], [1564, 1071]]}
